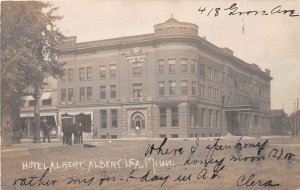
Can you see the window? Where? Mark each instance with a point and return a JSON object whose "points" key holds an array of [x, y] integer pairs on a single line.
{"points": [[210, 119], [202, 117], [194, 88], [161, 66], [63, 76], [63, 94], [217, 118], [172, 65], [210, 92], [174, 135], [162, 136], [113, 70], [102, 92], [114, 118], [174, 115], [137, 90], [31, 102], [201, 69], [202, 90], [216, 76], [113, 91], [103, 136], [102, 71], [81, 74], [163, 116], [114, 136], [81, 93], [184, 87], [89, 73], [70, 94], [89, 93], [161, 88], [70, 74], [193, 116], [193, 66], [103, 119], [183, 65], [47, 102], [172, 87], [137, 69]]}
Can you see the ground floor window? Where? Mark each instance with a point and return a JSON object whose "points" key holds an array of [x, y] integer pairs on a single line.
{"points": [[162, 136], [174, 115], [174, 135]]}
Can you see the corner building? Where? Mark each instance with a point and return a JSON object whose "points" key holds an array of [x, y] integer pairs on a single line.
{"points": [[170, 83]]}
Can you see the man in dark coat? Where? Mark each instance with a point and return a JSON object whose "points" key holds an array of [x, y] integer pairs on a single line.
{"points": [[46, 130]]}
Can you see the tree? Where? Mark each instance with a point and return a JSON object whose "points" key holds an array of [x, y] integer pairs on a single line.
{"points": [[29, 54]]}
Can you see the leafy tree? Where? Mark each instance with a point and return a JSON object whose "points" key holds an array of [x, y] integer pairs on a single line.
{"points": [[29, 40]]}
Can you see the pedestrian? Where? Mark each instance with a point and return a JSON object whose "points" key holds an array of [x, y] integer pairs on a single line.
{"points": [[80, 133], [95, 133], [46, 130]]}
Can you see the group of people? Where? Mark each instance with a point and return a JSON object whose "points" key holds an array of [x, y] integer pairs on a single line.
{"points": [[70, 130]]}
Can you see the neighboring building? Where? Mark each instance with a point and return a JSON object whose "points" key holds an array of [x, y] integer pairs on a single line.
{"points": [[279, 123], [295, 123], [170, 83], [48, 109]]}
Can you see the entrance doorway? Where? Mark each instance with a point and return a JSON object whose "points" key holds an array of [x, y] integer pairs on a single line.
{"points": [[138, 122]]}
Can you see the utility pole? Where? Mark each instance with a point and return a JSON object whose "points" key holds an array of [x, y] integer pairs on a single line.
{"points": [[294, 119], [297, 116]]}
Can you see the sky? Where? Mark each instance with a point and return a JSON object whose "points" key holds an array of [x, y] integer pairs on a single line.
{"points": [[271, 41]]}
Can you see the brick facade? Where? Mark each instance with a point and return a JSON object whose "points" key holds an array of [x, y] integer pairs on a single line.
{"points": [[171, 77]]}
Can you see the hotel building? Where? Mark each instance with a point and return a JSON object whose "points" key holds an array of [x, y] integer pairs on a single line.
{"points": [[170, 83]]}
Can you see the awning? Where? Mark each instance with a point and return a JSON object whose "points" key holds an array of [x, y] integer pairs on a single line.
{"points": [[46, 95], [28, 98], [76, 113], [45, 114], [41, 114]]}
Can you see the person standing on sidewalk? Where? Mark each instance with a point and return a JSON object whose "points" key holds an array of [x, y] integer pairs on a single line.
{"points": [[45, 129]]}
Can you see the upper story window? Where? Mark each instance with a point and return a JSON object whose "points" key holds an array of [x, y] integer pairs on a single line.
{"points": [[216, 75], [137, 90], [113, 70], [113, 91], [184, 87], [137, 69], [81, 74], [102, 71], [89, 73], [172, 87], [63, 94], [47, 102], [172, 65], [194, 88], [64, 77], [193, 66], [201, 69], [161, 66], [183, 65], [102, 92], [70, 74], [89, 93], [161, 88], [81, 93], [71, 94]]}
